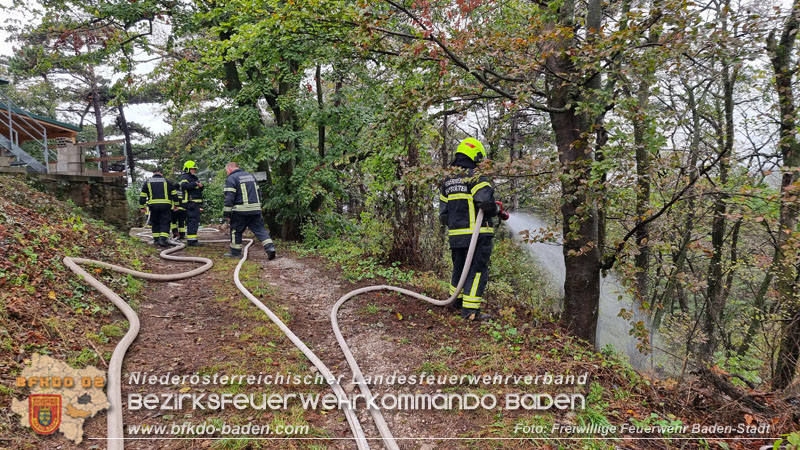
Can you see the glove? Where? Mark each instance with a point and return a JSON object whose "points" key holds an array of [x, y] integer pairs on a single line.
{"points": [[503, 214]]}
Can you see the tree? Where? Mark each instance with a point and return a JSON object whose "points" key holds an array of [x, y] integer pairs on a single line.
{"points": [[786, 256]]}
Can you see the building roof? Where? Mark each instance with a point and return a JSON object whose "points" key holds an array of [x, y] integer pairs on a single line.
{"points": [[39, 118]]}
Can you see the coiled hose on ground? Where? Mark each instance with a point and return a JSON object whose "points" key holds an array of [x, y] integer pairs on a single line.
{"points": [[115, 431]]}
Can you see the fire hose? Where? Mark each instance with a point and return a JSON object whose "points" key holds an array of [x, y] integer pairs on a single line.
{"points": [[115, 431], [114, 422], [377, 416]]}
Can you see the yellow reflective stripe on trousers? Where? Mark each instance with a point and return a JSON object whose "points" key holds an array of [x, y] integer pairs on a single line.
{"points": [[234, 245], [471, 302], [461, 231], [478, 187], [475, 282]]}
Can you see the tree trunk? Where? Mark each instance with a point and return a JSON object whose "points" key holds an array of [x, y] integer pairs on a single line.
{"points": [[514, 155], [321, 106], [642, 259], [98, 121], [128, 146], [579, 216], [715, 300], [786, 256]]}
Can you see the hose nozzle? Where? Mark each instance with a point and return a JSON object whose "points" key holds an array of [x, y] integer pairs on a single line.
{"points": [[503, 214]]}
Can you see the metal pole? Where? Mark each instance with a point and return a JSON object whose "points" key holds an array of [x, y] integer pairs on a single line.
{"points": [[46, 154]]}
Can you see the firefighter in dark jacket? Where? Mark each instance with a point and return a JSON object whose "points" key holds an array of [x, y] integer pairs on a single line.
{"points": [[243, 209], [460, 197], [193, 195], [159, 196], [179, 215]]}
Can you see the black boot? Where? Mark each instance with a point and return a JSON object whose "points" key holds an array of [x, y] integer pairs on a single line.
{"points": [[233, 253], [270, 249], [195, 243], [474, 315], [181, 236], [456, 305], [162, 242]]}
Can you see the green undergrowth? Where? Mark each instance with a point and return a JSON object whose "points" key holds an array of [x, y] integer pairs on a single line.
{"points": [[516, 281], [44, 307]]}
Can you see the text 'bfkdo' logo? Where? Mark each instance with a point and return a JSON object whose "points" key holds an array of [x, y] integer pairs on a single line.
{"points": [[61, 398]]}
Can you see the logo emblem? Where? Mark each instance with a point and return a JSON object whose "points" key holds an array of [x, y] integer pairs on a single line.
{"points": [[45, 412]]}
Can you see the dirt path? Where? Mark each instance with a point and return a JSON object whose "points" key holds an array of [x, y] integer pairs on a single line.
{"points": [[388, 334], [205, 326]]}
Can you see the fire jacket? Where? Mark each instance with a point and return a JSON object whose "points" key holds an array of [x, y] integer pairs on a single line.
{"points": [[459, 199], [158, 190], [241, 194], [191, 193]]}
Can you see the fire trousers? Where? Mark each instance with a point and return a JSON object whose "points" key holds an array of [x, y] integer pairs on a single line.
{"points": [[192, 220], [160, 216], [477, 277], [179, 221], [240, 222]]}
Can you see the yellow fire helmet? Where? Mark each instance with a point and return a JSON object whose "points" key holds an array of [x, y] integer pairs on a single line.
{"points": [[189, 165], [472, 148]]}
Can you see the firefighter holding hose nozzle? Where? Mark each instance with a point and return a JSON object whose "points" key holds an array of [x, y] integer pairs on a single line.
{"points": [[460, 196]]}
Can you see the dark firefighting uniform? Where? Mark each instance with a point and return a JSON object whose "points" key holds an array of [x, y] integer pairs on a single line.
{"points": [[460, 198], [179, 215], [243, 207], [194, 200], [159, 195]]}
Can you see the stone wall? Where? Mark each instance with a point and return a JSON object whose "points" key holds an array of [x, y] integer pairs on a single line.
{"points": [[101, 197]]}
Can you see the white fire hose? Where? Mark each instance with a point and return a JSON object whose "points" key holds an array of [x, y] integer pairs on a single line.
{"points": [[115, 431], [377, 416], [114, 423]]}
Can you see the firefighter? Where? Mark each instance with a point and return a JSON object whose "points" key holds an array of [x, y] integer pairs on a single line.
{"points": [[193, 194], [179, 215], [460, 197], [158, 195], [243, 210]]}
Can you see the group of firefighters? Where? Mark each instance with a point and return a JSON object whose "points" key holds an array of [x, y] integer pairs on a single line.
{"points": [[177, 208]]}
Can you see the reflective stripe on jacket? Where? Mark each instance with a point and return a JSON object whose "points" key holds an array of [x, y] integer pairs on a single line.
{"points": [[241, 193], [158, 190], [460, 197], [191, 193]]}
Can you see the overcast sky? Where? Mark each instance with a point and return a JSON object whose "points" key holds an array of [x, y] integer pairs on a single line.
{"points": [[150, 115]]}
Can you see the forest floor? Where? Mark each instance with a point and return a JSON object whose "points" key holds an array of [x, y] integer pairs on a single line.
{"points": [[205, 326]]}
